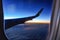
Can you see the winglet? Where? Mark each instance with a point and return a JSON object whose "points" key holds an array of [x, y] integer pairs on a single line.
{"points": [[39, 12]]}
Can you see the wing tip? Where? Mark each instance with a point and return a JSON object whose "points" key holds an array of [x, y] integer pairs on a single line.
{"points": [[39, 12]]}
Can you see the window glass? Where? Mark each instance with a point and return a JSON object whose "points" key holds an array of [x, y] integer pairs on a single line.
{"points": [[36, 28]]}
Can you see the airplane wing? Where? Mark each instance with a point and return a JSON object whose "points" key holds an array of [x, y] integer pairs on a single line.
{"points": [[11, 22]]}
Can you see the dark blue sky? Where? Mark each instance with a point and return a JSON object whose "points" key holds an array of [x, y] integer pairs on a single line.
{"points": [[26, 8]]}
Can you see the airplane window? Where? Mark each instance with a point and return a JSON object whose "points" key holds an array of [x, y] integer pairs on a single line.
{"points": [[27, 19]]}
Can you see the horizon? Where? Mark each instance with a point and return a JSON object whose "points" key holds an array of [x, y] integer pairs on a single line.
{"points": [[37, 21]]}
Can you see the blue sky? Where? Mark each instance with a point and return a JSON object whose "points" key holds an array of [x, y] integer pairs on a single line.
{"points": [[25, 8]]}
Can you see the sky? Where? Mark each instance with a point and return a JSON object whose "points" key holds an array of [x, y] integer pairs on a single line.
{"points": [[25, 8]]}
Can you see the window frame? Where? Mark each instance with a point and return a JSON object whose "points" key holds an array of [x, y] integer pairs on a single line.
{"points": [[2, 33], [54, 20]]}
